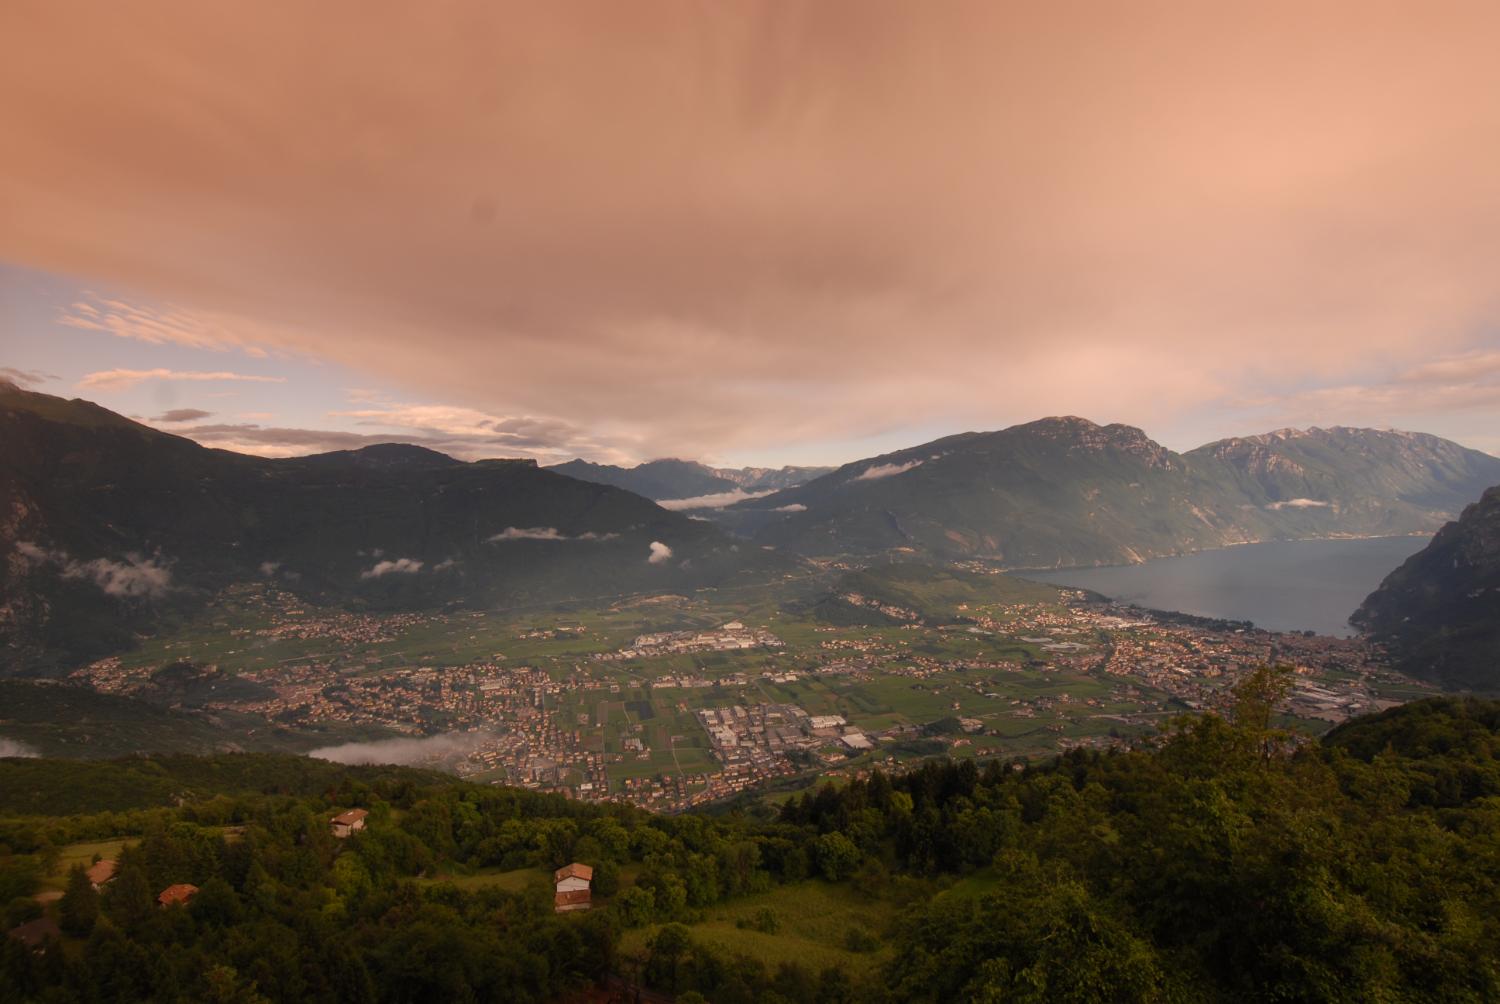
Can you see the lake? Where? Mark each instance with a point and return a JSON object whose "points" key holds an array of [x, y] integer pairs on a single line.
{"points": [[1291, 585]]}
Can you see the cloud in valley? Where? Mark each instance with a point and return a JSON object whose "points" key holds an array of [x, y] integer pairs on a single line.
{"points": [[716, 501], [700, 230], [134, 577], [885, 470], [794, 507], [660, 553], [16, 748], [528, 533], [1299, 504], [399, 566], [406, 752], [545, 533]]}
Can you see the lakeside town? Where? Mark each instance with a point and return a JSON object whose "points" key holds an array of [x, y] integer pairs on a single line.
{"points": [[673, 718]]}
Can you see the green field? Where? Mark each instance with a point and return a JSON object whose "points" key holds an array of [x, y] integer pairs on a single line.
{"points": [[81, 854], [517, 880], [814, 918]]}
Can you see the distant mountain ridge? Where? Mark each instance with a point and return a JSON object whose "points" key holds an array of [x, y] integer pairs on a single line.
{"points": [[1439, 613], [108, 526], [655, 479], [1355, 470], [685, 479], [1067, 491], [761, 479]]}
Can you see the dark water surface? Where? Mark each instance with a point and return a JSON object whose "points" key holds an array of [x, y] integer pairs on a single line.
{"points": [[1294, 585]]}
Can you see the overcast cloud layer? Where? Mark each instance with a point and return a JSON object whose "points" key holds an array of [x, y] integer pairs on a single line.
{"points": [[694, 228]]}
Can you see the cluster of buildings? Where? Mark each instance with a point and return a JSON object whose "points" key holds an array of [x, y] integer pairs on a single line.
{"points": [[729, 637], [42, 933], [758, 735], [890, 610]]}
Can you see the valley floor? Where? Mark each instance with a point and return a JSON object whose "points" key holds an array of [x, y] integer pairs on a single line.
{"points": [[673, 701]]}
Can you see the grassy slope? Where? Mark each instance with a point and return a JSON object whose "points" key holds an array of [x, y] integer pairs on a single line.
{"points": [[815, 919], [67, 787]]}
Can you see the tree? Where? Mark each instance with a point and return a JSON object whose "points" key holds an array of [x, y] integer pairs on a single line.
{"points": [[837, 856], [79, 907], [216, 903], [1256, 700], [224, 986], [635, 906], [667, 950], [606, 878], [834, 987], [130, 900]]}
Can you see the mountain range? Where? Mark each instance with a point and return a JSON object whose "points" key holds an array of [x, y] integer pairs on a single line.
{"points": [[108, 527], [686, 479], [1439, 613], [1065, 491]]}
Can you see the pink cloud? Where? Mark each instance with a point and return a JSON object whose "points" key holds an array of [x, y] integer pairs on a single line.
{"points": [[123, 379]]}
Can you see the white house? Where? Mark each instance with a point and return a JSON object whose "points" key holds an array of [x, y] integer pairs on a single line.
{"points": [[347, 823], [572, 887]]}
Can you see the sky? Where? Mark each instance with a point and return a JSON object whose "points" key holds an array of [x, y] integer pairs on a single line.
{"points": [[751, 233]]}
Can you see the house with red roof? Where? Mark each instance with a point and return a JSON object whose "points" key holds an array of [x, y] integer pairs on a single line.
{"points": [[100, 873], [571, 884], [348, 823], [177, 895]]}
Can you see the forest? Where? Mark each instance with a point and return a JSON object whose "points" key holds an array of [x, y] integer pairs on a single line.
{"points": [[1226, 860]]}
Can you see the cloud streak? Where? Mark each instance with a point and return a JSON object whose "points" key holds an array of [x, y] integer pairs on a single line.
{"points": [[1459, 393], [545, 533], [177, 415], [545, 442], [124, 379], [156, 326], [25, 378], [878, 471], [406, 752], [718, 500]]}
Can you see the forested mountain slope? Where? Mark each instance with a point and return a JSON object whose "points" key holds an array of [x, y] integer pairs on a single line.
{"points": [[108, 526], [1439, 613]]}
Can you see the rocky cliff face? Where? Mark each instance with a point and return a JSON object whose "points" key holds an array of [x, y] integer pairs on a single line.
{"points": [[1439, 613]]}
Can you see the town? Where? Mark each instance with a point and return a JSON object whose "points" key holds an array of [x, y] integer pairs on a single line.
{"points": [[674, 717]]}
